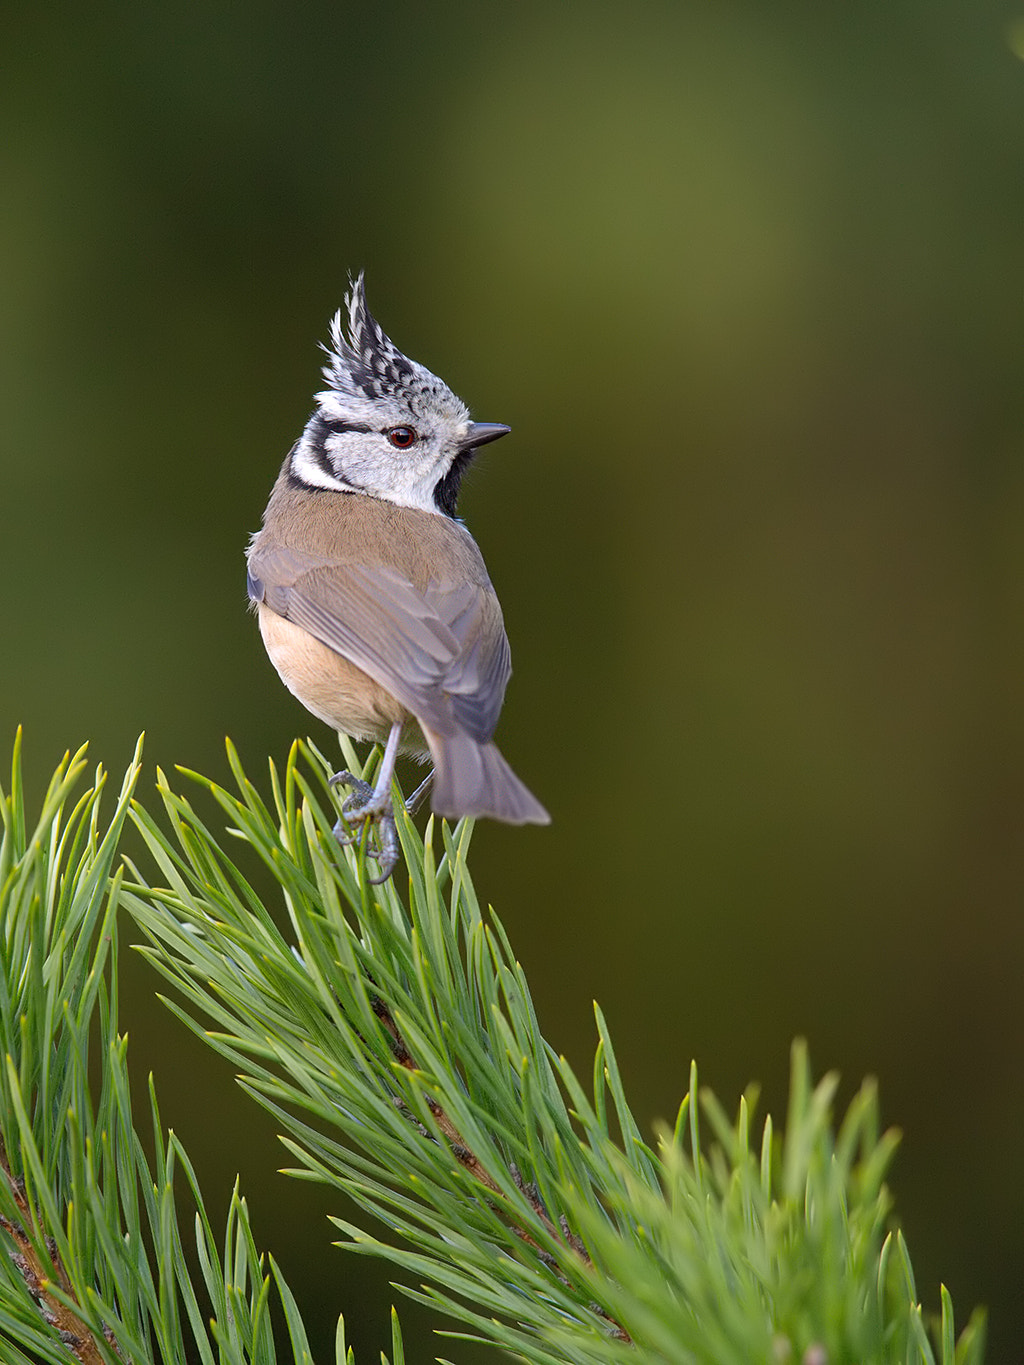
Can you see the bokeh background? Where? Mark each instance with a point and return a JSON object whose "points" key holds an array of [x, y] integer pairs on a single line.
{"points": [[746, 281]]}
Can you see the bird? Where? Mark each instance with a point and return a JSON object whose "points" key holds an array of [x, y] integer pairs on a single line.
{"points": [[373, 600]]}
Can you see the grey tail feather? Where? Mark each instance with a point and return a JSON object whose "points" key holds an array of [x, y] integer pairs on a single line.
{"points": [[474, 779]]}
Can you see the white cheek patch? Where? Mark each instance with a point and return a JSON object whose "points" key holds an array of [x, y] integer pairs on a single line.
{"points": [[308, 470], [415, 492], [367, 463]]}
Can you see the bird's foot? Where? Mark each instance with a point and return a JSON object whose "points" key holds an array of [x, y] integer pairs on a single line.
{"points": [[366, 806]]}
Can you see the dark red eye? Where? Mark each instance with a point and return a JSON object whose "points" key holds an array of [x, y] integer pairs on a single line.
{"points": [[402, 437]]}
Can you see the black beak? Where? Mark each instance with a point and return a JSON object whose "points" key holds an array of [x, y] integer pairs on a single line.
{"points": [[480, 433]]}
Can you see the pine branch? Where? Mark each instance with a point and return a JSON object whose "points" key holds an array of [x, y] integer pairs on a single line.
{"points": [[398, 1046], [96, 1270]]}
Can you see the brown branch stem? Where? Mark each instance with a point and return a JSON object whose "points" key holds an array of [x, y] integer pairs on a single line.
{"points": [[468, 1159], [41, 1272]]}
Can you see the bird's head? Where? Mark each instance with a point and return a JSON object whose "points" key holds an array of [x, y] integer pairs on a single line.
{"points": [[385, 426]]}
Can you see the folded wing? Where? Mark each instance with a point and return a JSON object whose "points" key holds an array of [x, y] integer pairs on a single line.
{"points": [[441, 650]]}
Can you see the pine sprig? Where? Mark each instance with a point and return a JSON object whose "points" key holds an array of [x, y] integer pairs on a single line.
{"points": [[95, 1270], [397, 1044]]}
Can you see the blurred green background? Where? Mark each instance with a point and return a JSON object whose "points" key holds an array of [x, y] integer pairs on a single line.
{"points": [[746, 281]]}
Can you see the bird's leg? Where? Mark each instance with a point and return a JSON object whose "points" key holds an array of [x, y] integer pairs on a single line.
{"points": [[366, 801], [373, 804]]}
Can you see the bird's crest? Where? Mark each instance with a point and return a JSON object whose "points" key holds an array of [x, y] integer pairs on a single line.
{"points": [[364, 362]]}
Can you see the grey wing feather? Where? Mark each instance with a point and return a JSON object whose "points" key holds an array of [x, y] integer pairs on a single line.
{"points": [[431, 649], [477, 685]]}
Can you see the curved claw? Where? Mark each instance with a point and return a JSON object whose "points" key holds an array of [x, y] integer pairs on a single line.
{"points": [[387, 836], [365, 802], [363, 807], [361, 790], [346, 840]]}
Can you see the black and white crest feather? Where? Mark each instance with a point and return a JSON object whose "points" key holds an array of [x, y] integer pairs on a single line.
{"points": [[364, 363]]}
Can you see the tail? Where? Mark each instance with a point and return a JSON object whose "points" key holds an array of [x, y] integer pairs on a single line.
{"points": [[474, 779]]}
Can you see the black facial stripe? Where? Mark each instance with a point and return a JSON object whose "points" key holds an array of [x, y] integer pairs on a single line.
{"points": [[320, 455], [317, 432], [446, 492], [337, 424], [313, 447], [319, 427], [297, 482], [312, 444]]}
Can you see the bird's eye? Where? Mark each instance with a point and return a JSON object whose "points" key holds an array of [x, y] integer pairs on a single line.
{"points": [[401, 437]]}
